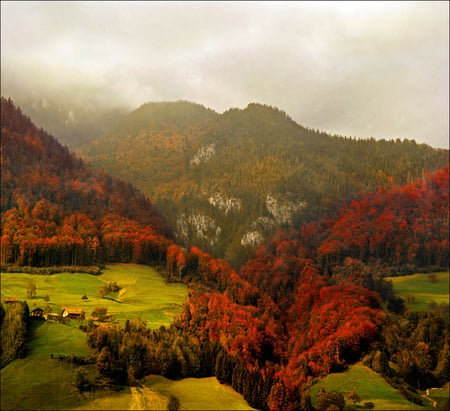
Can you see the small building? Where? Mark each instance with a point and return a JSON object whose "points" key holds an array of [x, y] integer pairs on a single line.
{"points": [[11, 300], [37, 313], [73, 313], [51, 316]]}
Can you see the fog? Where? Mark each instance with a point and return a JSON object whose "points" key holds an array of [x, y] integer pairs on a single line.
{"points": [[375, 69]]}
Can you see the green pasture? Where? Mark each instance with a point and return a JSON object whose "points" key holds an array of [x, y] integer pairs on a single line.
{"points": [[420, 290], [144, 293], [153, 392], [48, 338], [39, 383], [369, 385]]}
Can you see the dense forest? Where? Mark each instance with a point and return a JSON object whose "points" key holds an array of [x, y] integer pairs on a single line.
{"points": [[226, 181], [58, 211], [311, 301]]}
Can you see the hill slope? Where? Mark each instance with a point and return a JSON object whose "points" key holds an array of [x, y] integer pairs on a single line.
{"points": [[58, 211], [225, 181]]}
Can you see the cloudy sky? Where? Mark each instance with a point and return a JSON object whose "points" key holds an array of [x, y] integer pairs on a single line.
{"points": [[357, 69]]}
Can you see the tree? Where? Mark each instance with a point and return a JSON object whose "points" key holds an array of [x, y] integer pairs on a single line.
{"points": [[80, 379], [354, 396], [99, 313], [173, 403], [103, 290], [369, 405], [326, 399], [31, 290], [380, 363]]}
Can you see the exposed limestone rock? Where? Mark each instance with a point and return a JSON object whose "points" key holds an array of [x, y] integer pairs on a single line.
{"points": [[262, 223], [199, 225], [255, 235], [225, 204], [252, 238], [282, 210], [203, 154]]}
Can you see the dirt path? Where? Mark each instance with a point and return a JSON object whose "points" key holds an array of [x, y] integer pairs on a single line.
{"points": [[122, 291], [144, 398], [137, 401], [430, 399]]}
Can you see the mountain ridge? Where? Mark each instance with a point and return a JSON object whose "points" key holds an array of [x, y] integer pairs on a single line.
{"points": [[183, 155]]}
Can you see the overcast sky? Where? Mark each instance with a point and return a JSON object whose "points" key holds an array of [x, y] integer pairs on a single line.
{"points": [[357, 69]]}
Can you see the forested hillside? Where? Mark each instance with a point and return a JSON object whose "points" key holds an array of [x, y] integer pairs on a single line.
{"points": [[58, 211], [224, 182]]}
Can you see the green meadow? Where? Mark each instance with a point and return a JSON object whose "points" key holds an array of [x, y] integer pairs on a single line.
{"points": [[153, 392], [144, 293], [370, 386], [421, 290]]}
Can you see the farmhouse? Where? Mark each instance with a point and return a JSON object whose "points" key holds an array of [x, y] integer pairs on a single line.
{"points": [[37, 313], [73, 313], [11, 300], [51, 316]]}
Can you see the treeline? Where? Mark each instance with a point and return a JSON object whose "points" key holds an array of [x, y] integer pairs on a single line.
{"points": [[13, 329], [43, 237], [126, 355], [405, 228]]}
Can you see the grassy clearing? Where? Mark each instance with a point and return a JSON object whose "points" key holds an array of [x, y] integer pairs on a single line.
{"points": [[369, 385], [153, 392], [145, 294], [38, 383], [48, 338], [422, 289]]}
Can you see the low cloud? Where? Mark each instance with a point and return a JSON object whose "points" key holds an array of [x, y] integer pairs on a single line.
{"points": [[352, 68]]}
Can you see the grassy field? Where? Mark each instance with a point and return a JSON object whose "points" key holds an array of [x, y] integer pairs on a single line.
{"points": [[153, 392], [144, 293], [422, 289], [369, 385], [39, 383]]}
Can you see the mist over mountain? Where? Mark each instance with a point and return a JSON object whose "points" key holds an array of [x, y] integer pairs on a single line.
{"points": [[226, 181], [73, 122]]}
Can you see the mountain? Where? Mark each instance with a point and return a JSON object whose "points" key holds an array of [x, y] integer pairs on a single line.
{"points": [[58, 211], [225, 181]]}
